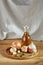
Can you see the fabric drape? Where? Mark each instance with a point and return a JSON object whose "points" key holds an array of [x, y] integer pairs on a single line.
{"points": [[15, 14]]}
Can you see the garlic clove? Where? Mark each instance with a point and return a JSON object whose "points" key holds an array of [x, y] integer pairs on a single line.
{"points": [[14, 53], [24, 48], [18, 51], [34, 50]]}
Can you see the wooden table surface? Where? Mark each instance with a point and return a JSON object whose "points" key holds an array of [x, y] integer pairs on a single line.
{"points": [[38, 60]]}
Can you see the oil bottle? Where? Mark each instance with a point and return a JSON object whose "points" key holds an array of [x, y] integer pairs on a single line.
{"points": [[26, 39]]}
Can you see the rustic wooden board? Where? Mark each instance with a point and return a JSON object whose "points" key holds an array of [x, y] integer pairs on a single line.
{"points": [[34, 61]]}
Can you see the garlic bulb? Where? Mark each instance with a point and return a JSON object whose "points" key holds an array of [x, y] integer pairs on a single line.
{"points": [[13, 50], [33, 47]]}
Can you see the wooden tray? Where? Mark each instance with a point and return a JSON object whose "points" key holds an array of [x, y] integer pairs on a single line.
{"points": [[9, 55]]}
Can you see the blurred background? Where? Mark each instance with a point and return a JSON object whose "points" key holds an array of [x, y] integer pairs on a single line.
{"points": [[15, 14]]}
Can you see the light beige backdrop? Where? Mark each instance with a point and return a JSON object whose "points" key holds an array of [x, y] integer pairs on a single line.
{"points": [[14, 14]]}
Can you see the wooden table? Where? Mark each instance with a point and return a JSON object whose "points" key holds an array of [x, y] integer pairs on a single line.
{"points": [[38, 60]]}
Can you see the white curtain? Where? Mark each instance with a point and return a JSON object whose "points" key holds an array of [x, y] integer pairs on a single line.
{"points": [[14, 14]]}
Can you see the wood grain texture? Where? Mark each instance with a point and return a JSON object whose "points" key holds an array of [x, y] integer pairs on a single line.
{"points": [[38, 60]]}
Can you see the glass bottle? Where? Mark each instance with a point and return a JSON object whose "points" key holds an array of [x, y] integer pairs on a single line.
{"points": [[26, 40]]}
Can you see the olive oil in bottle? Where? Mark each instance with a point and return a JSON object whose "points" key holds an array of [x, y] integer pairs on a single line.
{"points": [[26, 40]]}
